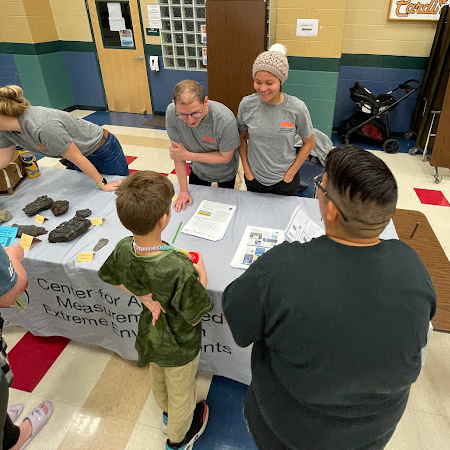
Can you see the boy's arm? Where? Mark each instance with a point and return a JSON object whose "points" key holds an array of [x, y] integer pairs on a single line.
{"points": [[147, 300], [200, 268]]}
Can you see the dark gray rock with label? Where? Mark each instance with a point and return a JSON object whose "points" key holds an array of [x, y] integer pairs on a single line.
{"points": [[100, 244], [68, 231], [40, 204], [31, 230], [5, 216], [60, 207], [83, 213]]}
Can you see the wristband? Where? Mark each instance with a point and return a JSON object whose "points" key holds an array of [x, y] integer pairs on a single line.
{"points": [[102, 183]]}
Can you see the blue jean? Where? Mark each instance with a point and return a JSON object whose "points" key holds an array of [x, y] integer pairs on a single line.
{"points": [[109, 159]]}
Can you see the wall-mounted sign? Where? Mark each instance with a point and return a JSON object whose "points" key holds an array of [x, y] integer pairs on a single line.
{"points": [[415, 10], [152, 31]]}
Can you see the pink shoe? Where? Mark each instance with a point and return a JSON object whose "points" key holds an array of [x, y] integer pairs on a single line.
{"points": [[38, 419], [14, 411]]}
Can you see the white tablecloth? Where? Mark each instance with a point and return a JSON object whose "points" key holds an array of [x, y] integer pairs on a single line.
{"points": [[68, 299]]}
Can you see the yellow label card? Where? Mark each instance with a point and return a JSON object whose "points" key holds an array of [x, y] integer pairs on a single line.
{"points": [[174, 197], [39, 219], [85, 256], [25, 241], [97, 221]]}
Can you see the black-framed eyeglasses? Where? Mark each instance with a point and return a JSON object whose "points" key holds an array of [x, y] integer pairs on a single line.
{"points": [[318, 183], [193, 115]]}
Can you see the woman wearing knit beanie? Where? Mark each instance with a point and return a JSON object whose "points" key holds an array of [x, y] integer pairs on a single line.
{"points": [[268, 123]]}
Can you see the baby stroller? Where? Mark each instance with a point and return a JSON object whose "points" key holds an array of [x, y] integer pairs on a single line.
{"points": [[367, 123]]}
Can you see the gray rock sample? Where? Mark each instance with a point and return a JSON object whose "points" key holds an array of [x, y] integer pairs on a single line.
{"points": [[68, 231], [40, 204], [31, 230], [100, 244], [5, 216], [60, 207], [83, 213]]}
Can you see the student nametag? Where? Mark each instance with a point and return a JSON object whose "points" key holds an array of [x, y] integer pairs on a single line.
{"points": [[97, 221], [25, 241], [88, 256], [39, 219]]}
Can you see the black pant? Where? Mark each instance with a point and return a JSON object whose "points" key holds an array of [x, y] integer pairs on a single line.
{"points": [[194, 179], [281, 188], [9, 433]]}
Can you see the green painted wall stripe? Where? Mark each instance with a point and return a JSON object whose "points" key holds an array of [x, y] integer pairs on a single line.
{"points": [[43, 48], [295, 62], [385, 61], [152, 50], [315, 64]]}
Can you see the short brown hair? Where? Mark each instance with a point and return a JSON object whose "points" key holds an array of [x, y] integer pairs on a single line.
{"points": [[12, 101], [187, 91], [142, 199]]}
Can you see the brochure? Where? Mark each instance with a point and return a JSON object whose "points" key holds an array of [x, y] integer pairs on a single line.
{"points": [[301, 228], [254, 243], [7, 235], [210, 221]]}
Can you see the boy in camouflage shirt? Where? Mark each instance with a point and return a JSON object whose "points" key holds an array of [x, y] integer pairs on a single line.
{"points": [[171, 344]]}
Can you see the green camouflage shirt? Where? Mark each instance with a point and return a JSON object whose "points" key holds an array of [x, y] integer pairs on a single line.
{"points": [[172, 279]]}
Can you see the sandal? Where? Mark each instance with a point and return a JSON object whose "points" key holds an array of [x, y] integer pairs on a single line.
{"points": [[14, 411], [38, 419]]}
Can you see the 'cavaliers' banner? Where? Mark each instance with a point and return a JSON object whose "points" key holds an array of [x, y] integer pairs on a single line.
{"points": [[414, 10]]}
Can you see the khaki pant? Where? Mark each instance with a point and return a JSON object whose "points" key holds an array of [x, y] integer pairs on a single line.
{"points": [[175, 392]]}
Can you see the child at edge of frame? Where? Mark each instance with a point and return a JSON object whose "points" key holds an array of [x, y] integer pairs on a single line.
{"points": [[166, 280]]}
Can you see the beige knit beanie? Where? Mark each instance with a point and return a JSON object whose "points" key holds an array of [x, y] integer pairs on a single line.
{"points": [[274, 61]]}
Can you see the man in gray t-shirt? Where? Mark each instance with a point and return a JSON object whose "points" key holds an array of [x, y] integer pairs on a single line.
{"points": [[204, 132]]}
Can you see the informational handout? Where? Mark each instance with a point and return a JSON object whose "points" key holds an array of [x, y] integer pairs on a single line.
{"points": [[7, 235], [210, 221], [154, 16], [301, 228], [117, 24], [254, 243], [126, 38], [114, 10]]}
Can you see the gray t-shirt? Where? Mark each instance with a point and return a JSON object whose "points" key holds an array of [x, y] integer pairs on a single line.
{"points": [[49, 132], [217, 131], [271, 134]]}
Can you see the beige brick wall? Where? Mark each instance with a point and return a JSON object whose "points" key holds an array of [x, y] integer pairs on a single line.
{"points": [[14, 22], [331, 15], [367, 30], [71, 20]]}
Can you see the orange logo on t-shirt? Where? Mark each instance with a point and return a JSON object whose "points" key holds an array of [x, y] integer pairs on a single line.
{"points": [[42, 146], [209, 139], [286, 125]]}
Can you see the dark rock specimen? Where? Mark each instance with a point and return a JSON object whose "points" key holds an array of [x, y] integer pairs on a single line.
{"points": [[100, 244], [67, 231], [60, 207], [83, 213], [5, 216], [31, 230], [38, 205]]}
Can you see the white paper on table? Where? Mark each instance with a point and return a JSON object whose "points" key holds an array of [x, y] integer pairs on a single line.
{"points": [[154, 16], [210, 221], [117, 24], [255, 242], [114, 11], [301, 228]]}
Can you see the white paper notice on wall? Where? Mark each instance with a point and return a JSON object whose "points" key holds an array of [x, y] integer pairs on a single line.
{"points": [[117, 24], [307, 27], [154, 16]]}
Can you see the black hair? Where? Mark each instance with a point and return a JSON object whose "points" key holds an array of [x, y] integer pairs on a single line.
{"points": [[363, 184]]}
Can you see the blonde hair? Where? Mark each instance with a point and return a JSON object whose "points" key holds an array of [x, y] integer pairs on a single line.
{"points": [[187, 91], [12, 101]]}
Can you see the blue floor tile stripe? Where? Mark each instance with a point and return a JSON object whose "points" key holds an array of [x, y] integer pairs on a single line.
{"points": [[123, 119], [226, 428]]}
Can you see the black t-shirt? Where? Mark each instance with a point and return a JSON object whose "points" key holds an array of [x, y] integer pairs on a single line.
{"points": [[337, 332]]}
